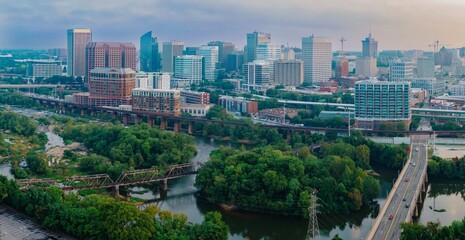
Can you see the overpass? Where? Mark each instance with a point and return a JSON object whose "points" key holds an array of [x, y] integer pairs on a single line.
{"points": [[404, 202], [17, 86], [141, 176], [136, 117]]}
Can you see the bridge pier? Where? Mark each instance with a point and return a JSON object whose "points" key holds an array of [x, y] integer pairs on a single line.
{"points": [[115, 191], [164, 185], [190, 128], [83, 112], [177, 126], [151, 121], [125, 119], [92, 112], [114, 115], [288, 135], [163, 123], [136, 119]]}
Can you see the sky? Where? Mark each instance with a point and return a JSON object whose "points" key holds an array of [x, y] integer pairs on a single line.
{"points": [[396, 24]]}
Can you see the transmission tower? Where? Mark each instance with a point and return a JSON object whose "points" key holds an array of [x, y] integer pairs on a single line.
{"points": [[313, 232]]}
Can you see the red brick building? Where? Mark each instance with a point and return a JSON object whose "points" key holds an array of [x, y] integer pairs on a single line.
{"points": [[111, 86], [110, 54]]}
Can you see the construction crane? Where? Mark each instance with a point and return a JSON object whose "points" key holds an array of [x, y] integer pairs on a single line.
{"points": [[342, 45], [435, 46]]}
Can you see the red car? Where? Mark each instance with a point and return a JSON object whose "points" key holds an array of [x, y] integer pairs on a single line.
{"points": [[390, 217]]}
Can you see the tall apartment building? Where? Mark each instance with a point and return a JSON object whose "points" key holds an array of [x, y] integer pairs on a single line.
{"points": [[187, 70], [77, 38], [257, 75], [111, 86], [289, 72], [110, 55], [210, 60], [316, 54], [400, 70], [239, 104], [170, 51], [224, 48], [366, 67], [369, 47], [253, 39], [150, 59], [153, 80], [425, 67], [378, 102], [157, 100], [195, 97]]}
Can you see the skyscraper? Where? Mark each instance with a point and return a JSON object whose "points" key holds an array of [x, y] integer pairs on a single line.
{"points": [[370, 47], [110, 54], [111, 86], [77, 42], [210, 59], [253, 39], [224, 48], [150, 60], [425, 67], [316, 54], [270, 53], [187, 70], [257, 75], [289, 72], [170, 51]]}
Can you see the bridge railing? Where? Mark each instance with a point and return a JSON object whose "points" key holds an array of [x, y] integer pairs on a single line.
{"points": [[413, 204]]}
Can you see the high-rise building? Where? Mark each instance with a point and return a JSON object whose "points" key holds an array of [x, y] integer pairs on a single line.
{"points": [[287, 53], [370, 47], [170, 51], [289, 72], [210, 59], [316, 54], [434, 86], [257, 75], [270, 53], [224, 48], [156, 100], [235, 61], [78, 38], [400, 70], [366, 67], [110, 55], [381, 102], [187, 70], [153, 80], [150, 60], [341, 67], [111, 86], [253, 39], [425, 68], [191, 51], [59, 54]]}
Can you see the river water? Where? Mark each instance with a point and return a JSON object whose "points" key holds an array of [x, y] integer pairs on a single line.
{"points": [[181, 198]]}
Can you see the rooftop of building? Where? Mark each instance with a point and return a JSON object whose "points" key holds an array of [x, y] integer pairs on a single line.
{"points": [[112, 70], [156, 90], [378, 82], [111, 44]]}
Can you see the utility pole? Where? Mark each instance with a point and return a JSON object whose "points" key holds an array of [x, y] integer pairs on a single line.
{"points": [[313, 231]]}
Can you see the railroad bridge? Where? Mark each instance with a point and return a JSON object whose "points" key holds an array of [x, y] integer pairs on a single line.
{"points": [[127, 178]]}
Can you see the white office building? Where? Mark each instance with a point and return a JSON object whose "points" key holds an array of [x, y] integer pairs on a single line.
{"points": [[400, 70], [435, 87], [257, 75], [187, 70], [425, 68], [317, 56], [270, 53], [153, 80], [210, 59]]}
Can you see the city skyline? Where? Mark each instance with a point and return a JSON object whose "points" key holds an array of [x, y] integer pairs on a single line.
{"points": [[40, 25]]}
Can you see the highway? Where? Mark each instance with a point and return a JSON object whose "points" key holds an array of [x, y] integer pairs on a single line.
{"points": [[404, 196]]}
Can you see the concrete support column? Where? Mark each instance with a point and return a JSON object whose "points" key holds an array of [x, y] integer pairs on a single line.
{"points": [[136, 119], [125, 118], [177, 126], [114, 115], [115, 191], [288, 135], [190, 129], [83, 112], [164, 185], [92, 112], [163, 123], [151, 121]]}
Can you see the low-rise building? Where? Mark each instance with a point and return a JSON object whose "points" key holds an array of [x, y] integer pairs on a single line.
{"points": [[81, 98], [238, 104], [195, 110], [195, 97], [157, 100], [277, 114], [434, 86]]}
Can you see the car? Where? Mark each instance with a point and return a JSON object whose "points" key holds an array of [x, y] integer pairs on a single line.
{"points": [[406, 180], [414, 164], [416, 149], [424, 145], [403, 199], [407, 206], [390, 217]]}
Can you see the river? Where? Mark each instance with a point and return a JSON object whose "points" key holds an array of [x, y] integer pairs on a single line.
{"points": [[181, 198]]}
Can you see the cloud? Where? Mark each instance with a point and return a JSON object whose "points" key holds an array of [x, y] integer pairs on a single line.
{"points": [[397, 24]]}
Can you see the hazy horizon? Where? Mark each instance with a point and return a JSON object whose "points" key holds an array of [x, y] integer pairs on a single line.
{"points": [[395, 24]]}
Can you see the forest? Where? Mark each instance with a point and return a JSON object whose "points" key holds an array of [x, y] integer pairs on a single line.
{"points": [[100, 217], [433, 231], [443, 168]]}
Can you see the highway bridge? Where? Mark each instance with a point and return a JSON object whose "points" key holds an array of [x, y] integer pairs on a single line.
{"points": [[405, 200], [18, 86]]}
